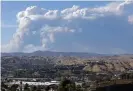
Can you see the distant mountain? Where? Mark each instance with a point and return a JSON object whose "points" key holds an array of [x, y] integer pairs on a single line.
{"points": [[51, 53]]}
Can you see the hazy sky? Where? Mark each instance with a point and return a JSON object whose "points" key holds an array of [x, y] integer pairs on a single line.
{"points": [[99, 27]]}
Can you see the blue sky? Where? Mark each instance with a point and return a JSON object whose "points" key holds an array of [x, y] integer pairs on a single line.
{"points": [[99, 27]]}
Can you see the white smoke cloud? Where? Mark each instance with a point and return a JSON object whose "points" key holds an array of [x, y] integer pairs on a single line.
{"points": [[130, 19], [47, 33], [31, 48], [40, 29]]}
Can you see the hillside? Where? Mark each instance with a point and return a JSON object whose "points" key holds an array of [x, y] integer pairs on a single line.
{"points": [[94, 64]]}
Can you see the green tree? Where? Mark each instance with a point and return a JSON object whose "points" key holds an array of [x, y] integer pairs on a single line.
{"points": [[34, 88], [79, 88], [47, 88], [26, 87], [3, 85], [38, 88], [14, 87], [67, 85]]}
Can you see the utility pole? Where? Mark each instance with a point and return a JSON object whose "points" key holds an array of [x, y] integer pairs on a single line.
{"points": [[20, 85]]}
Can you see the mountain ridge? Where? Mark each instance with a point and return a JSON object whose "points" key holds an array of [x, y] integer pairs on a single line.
{"points": [[53, 53]]}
